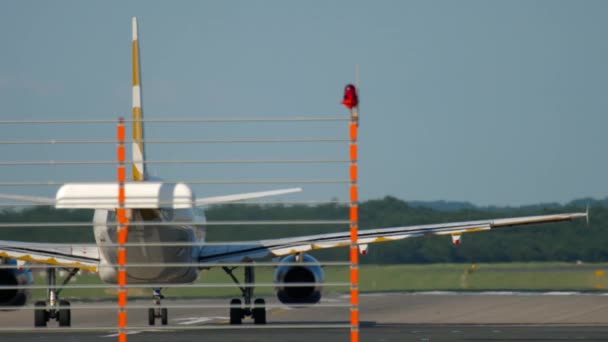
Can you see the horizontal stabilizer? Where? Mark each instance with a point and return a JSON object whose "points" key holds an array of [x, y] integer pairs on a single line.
{"points": [[244, 196], [31, 199]]}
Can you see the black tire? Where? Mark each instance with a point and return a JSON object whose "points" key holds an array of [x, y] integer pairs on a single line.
{"points": [[236, 312], [259, 311], [151, 316], [40, 315], [164, 316], [64, 315]]}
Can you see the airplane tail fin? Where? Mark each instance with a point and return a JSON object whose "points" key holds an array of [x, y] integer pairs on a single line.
{"points": [[139, 172]]}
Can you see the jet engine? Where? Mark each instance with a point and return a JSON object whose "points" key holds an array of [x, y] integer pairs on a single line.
{"points": [[289, 272], [13, 275]]}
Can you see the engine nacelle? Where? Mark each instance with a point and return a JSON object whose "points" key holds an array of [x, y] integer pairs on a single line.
{"points": [[14, 276], [310, 272]]}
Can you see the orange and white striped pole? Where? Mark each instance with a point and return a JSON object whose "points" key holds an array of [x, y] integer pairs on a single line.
{"points": [[123, 230], [351, 101]]}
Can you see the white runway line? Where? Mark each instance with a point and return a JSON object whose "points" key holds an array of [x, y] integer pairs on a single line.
{"points": [[128, 333], [479, 293], [332, 300], [557, 293], [197, 320], [134, 332]]}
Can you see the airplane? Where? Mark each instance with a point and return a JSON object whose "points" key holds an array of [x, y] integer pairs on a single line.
{"points": [[168, 229]]}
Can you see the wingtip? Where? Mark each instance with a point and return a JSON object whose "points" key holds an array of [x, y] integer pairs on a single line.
{"points": [[580, 215]]}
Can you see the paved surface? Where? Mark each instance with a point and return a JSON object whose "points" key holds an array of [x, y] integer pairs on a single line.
{"points": [[382, 333], [385, 317]]}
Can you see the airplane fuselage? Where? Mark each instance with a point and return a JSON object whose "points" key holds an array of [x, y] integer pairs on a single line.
{"points": [[153, 252]]}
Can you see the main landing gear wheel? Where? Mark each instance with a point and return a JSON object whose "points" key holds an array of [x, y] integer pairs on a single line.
{"points": [[40, 315], [257, 311], [58, 310], [236, 311], [158, 311], [64, 316]]}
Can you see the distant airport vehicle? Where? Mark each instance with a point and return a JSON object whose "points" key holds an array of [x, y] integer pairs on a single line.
{"points": [[162, 214]]}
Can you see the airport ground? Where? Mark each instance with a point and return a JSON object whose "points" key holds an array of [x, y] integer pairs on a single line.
{"points": [[534, 276], [425, 316]]}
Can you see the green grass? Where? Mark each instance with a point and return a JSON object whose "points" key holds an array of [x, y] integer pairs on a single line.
{"points": [[380, 278]]}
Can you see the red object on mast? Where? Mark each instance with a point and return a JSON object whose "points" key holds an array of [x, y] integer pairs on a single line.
{"points": [[351, 99]]}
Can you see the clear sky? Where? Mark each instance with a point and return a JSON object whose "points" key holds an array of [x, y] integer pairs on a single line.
{"points": [[492, 102]]}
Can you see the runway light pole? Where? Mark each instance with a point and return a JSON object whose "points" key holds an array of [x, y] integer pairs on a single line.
{"points": [[351, 101], [123, 229]]}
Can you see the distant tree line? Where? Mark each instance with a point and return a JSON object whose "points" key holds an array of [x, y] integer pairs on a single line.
{"points": [[569, 241]]}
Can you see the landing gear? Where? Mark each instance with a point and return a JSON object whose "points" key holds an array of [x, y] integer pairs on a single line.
{"points": [[64, 315], [157, 311], [40, 314], [236, 312], [58, 310], [257, 311]]}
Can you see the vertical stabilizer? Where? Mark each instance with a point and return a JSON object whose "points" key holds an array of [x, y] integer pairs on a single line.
{"points": [[139, 172]]}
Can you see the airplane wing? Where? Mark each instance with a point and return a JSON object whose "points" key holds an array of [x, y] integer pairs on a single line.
{"points": [[82, 256], [87, 256], [286, 246]]}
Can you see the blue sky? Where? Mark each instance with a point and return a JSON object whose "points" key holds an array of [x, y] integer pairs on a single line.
{"points": [[493, 102]]}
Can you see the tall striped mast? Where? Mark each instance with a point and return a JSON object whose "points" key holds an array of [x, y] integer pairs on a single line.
{"points": [[351, 101], [139, 172]]}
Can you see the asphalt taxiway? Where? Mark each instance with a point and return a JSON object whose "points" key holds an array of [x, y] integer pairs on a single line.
{"points": [[435, 316]]}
